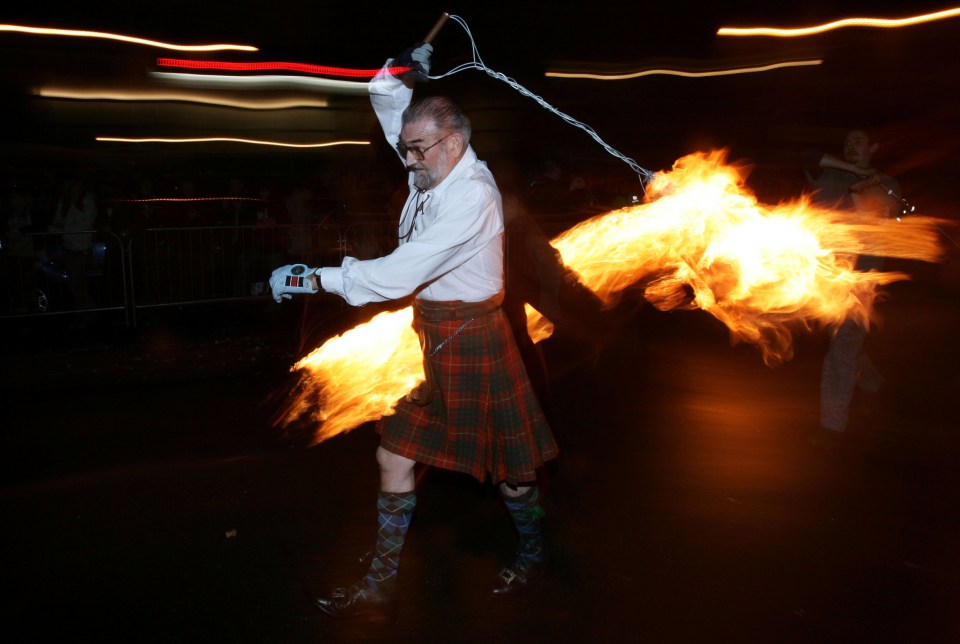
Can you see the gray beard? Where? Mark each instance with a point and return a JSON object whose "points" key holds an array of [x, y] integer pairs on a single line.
{"points": [[422, 181], [427, 179]]}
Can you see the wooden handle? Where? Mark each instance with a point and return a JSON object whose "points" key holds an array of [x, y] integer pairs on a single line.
{"points": [[437, 27]]}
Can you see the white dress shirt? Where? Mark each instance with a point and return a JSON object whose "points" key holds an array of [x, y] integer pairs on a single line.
{"points": [[451, 237]]}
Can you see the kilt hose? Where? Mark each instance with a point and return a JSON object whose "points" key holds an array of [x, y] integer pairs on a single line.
{"points": [[485, 419]]}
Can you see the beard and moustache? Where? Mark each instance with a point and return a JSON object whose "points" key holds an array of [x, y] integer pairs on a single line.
{"points": [[425, 178]]}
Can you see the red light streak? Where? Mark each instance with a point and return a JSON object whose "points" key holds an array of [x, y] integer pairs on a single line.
{"points": [[306, 68]]}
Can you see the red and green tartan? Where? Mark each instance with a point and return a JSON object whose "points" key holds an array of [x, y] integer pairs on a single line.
{"points": [[485, 419]]}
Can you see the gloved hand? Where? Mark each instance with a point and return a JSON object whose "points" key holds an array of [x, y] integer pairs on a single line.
{"points": [[290, 279], [418, 59]]}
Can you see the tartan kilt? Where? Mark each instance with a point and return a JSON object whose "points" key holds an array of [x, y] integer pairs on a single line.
{"points": [[485, 419]]}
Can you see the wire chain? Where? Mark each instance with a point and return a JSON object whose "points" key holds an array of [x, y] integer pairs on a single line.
{"points": [[477, 63]]}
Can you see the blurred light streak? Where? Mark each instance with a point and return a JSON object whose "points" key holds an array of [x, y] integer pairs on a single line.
{"points": [[264, 82], [322, 70], [182, 199], [881, 23], [686, 74], [206, 99], [216, 139], [49, 31]]}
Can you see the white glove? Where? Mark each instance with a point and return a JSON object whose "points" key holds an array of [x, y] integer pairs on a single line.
{"points": [[290, 279]]}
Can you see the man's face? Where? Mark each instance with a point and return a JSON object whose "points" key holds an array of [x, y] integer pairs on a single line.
{"points": [[857, 149], [436, 163]]}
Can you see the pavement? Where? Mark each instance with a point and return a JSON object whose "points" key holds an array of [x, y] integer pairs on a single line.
{"points": [[149, 497]]}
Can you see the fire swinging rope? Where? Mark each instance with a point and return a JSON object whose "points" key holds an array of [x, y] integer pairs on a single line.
{"points": [[477, 63]]}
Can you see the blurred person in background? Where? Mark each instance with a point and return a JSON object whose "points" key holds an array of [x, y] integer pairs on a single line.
{"points": [[19, 252], [75, 218], [850, 183], [555, 191]]}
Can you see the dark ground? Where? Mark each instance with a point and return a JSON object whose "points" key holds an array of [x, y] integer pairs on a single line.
{"points": [[147, 497]]}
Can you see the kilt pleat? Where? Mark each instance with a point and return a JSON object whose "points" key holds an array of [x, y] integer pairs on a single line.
{"points": [[485, 419]]}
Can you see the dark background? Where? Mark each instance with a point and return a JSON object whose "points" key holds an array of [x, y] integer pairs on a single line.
{"points": [[899, 84]]}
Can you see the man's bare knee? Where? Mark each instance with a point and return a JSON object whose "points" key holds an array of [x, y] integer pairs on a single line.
{"points": [[396, 472], [513, 491]]}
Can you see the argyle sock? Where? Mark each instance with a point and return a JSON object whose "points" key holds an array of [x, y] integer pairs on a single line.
{"points": [[526, 512], [393, 518]]}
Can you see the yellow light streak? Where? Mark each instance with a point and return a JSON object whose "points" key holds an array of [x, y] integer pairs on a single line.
{"points": [[218, 139], [206, 99], [686, 74], [880, 23], [50, 31]]}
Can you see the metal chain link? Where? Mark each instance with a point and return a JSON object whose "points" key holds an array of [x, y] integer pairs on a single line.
{"points": [[450, 337]]}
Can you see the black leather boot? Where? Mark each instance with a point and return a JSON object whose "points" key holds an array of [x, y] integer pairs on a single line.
{"points": [[361, 600], [522, 574]]}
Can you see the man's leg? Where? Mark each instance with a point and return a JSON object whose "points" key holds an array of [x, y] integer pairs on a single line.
{"points": [[395, 504], [376, 593], [839, 377], [869, 378], [523, 504]]}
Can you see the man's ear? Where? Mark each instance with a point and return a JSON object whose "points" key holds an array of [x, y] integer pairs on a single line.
{"points": [[461, 146], [873, 148]]}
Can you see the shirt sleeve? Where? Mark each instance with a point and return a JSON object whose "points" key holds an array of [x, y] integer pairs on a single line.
{"points": [[389, 97]]}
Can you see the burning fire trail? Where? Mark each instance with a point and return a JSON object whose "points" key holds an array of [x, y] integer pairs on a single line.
{"points": [[761, 270], [358, 376], [701, 241]]}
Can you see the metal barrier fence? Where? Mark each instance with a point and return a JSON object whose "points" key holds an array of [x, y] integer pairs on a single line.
{"points": [[41, 275]]}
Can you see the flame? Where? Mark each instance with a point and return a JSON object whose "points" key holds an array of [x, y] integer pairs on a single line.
{"points": [[538, 327], [701, 240], [705, 242], [358, 376]]}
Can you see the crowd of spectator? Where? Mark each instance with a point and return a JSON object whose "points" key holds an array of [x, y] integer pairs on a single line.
{"points": [[65, 222]]}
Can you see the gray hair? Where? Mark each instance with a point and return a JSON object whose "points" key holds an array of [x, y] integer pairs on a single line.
{"points": [[443, 112]]}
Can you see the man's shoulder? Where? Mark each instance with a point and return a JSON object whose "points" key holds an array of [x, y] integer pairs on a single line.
{"points": [[472, 174]]}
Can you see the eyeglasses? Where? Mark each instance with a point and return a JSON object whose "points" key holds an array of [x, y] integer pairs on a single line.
{"points": [[417, 151]]}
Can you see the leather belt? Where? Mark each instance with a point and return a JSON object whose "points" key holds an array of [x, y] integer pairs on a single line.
{"points": [[445, 311]]}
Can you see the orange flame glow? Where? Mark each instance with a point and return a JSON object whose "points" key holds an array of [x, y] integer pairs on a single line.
{"points": [[358, 376], [760, 270], [701, 240]]}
